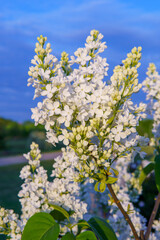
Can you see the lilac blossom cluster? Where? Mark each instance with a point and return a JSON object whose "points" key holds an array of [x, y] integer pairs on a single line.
{"points": [[94, 117], [151, 86]]}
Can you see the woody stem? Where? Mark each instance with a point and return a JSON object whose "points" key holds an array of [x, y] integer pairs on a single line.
{"points": [[152, 217], [126, 216]]}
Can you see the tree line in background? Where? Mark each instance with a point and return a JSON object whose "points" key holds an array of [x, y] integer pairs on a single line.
{"points": [[15, 138]]}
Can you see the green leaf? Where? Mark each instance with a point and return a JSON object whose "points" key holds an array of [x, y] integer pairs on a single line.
{"points": [[102, 187], [157, 171], [102, 229], [68, 236], [82, 224], [52, 233], [111, 180], [41, 226], [110, 120], [59, 213], [115, 171], [71, 212], [96, 187], [111, 199], [145, 171], [87, 235]]}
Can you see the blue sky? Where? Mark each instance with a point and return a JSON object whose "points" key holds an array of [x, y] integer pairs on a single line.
{"points": [[123, 23]]}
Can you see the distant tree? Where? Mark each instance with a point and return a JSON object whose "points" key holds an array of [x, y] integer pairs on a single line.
{"points": [[28, 127]]}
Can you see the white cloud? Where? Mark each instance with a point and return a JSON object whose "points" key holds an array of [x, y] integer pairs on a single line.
{"points": [[8, 90]]}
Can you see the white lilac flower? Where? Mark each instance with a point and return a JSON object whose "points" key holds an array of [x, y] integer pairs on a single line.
{"points": [[49, 91], [151, 85], [44, 74]]}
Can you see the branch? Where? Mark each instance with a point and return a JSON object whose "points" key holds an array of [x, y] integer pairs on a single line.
{"points": [[142, 235], [152, 217], [123, 211]]}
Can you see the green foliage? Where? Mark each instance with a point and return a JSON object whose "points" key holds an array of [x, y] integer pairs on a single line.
{"points": [[103, 178], [149, 150], [96, 187], [100, 186], [59, 213], [3, 131], [115, 171], [145, 171], [148, 196], [15, 138], [145, 128], [68, 236], [52, 233], [28, 127], [10, 129], [87, 235], [157, 171], [102, 229], [41, 226], [111, 180], [82, 224]]}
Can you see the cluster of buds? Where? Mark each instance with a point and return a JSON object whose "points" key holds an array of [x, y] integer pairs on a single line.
{"points": [[9, 224]]}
